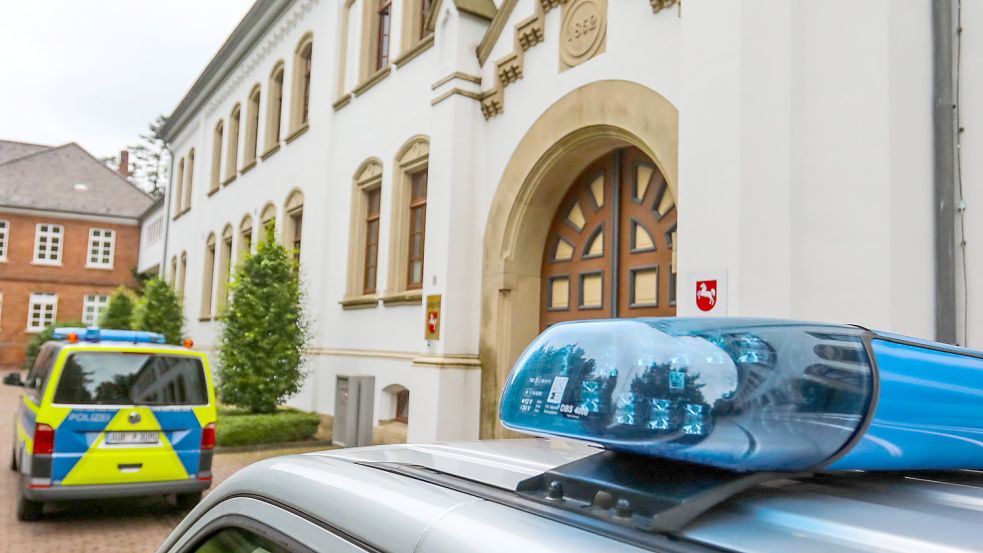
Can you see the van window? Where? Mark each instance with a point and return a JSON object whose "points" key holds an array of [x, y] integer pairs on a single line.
{"points": [[38, 376], [124, 378]]}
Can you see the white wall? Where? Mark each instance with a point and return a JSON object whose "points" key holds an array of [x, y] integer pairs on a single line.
{"points": [[971, 95], [804, 172]]}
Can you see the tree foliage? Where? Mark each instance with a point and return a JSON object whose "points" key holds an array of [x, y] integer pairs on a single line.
{"points": [[34, 346], [148, 160], [119, 312], [265, 331], [159, 311]]}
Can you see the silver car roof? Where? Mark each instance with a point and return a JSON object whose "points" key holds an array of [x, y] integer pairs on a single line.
{"points": [[849, 512]]}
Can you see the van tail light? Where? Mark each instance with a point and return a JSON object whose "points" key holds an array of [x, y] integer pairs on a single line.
{"points": [[208, 436], [44, 439]]}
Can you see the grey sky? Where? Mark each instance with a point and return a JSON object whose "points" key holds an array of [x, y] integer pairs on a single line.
{"points": [[97, 71]]}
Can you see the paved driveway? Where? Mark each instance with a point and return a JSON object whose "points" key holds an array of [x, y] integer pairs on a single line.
{"points": [[125, 525]]}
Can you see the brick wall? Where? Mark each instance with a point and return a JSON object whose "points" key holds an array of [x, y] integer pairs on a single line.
{"points": [[72, 280]]}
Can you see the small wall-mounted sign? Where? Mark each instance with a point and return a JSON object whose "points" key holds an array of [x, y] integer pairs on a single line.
{"points": [[709, 293], [432, 323]]}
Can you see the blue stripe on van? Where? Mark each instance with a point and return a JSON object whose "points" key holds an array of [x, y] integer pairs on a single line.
{"points": [[72, 439], [184, 432]]}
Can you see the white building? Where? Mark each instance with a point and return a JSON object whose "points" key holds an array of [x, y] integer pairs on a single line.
{"points": [[543, 147]]}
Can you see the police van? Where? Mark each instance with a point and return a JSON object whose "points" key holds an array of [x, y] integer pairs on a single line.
{"points": [[679, 435], [110, 413]]}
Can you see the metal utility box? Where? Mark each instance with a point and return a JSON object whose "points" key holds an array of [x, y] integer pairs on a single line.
{"points": [[353, 408]]}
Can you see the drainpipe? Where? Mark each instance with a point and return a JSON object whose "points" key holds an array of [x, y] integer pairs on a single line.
{"points": [[162, 273], [944, 115]]}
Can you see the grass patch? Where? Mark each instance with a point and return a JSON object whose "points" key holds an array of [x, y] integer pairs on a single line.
{"points": [[236, 427]]}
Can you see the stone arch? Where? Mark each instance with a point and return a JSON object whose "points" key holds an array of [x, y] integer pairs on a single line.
{"points": [[578, 128]]}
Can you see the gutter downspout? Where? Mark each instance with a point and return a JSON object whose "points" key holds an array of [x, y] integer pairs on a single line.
{"points": [[167, 215], [944, 135]]}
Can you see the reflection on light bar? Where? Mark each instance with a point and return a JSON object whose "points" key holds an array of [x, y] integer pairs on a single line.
{"points": [[752, 394], [94, 334]]}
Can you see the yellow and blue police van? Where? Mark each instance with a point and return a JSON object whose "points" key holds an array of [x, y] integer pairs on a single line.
{"points": [[113, 413]]}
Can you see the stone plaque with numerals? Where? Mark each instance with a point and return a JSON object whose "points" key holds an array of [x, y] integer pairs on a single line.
{"points": [[584, 32]]}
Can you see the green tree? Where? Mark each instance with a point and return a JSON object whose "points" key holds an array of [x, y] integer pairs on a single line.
{"points": [[34, 346], [265, 331], [119, 313], [159, 311]]}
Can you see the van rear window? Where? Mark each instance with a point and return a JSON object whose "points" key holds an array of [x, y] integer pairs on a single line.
{"points": [[121, 378]]}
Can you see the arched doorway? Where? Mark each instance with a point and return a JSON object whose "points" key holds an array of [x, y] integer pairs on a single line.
{"points": [[584, 125], [609, 249]]}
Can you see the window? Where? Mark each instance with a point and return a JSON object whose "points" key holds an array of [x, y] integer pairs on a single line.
{"points": [[4, 232], [224, 268], [267, 221], [232, 152], [177, 189], [92, 308], [403, 405], [173, 280], [252, 126], [188, 178], [47, 244], [182, 273], [302, 83], [345, 47], [155, 230], [208, 278], [102, 244], [407, 228], [275, 108], [217, 157], [418, 221], [293, 224], [363, 245], [245, 238], [383, 16], [372, 215], [237, 540], [42, 310], [425, 6], [38, 377], [127, 378]]}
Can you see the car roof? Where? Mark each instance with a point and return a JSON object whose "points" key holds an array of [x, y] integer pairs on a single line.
{"points": [[115, 345], [845, 512]]}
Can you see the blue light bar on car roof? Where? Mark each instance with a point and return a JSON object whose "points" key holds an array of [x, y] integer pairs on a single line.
{"points": [[94, 334], [753, 394]]}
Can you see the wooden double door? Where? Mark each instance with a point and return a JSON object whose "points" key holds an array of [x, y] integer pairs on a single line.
{"points": [[609, 252]]}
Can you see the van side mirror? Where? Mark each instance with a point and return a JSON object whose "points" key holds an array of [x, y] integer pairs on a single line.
{"points": [[13, 379]]}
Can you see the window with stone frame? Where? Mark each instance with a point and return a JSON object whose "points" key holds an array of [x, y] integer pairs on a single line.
{"points": [[245, 238], [102, 248], [293, 224], [224, 269], [383, 35], [274, 108], [252, 127], [217, 140], [301, 100], [417, 230], [232, 150], [407, 239], [177, 189], [92, 307], [364, 235], [42, 311], [48, 244], [208, 278], [189, 176]]}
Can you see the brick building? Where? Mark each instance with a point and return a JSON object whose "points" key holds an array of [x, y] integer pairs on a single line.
{"points": [[69, 236]]}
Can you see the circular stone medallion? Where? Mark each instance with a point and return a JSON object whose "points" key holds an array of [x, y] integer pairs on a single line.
{"points": [[584, 25]]}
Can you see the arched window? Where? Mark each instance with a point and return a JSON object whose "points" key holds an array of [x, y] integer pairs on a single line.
{"points": [[245, 238], [252, 128], [172, 278], [301, 99], [182, 274], [177, 189], [408, 227], [208, 278], [232, 152], [363, 253], [189, 176], [217, 157], [267, 220], [293, 223], [224, 268], [274, 109], [399, 402], [376, 35]]}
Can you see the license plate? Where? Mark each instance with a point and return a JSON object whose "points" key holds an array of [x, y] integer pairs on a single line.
{"points": [[129, 438]]}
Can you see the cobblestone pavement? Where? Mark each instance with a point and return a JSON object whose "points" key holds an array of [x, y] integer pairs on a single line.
{"points": [[125, 525]]}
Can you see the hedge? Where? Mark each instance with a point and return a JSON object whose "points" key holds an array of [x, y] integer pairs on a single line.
{"points": [[237, 428]]}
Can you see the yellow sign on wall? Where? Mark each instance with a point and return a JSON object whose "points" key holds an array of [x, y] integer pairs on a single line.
{"points": [[432, 323]]}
